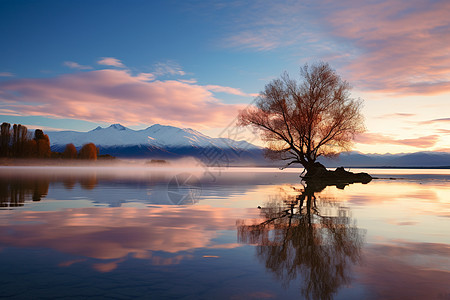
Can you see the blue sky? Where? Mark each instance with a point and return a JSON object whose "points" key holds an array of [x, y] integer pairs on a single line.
{"points": [[79, 64], [41, 35]]}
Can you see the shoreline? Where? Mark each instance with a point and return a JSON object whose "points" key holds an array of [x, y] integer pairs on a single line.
{"points": [[146, 162]]}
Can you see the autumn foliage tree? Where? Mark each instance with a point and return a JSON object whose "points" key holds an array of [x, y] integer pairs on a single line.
{"points": [[301, 121], [17, 141], [20, 138], [42, 144], [5, 136], [70, 152], [88, 151]]}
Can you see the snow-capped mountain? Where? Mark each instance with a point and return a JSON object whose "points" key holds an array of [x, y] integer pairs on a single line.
{"points": [[154, 141], [165, 142], [155, 135]]}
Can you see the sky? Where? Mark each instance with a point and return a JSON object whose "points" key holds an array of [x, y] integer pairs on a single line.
{"points": [[76, 65]]}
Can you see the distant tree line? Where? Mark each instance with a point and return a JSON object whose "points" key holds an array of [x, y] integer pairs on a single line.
{"points": [[17, 142]]}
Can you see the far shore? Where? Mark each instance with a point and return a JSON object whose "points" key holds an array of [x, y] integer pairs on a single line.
{"points": [[11, 162]]}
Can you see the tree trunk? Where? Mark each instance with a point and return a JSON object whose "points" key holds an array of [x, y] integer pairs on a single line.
{"points": [[315, 169]]}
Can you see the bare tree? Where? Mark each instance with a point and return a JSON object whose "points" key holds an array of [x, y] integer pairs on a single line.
{"points": [[304, 120]]}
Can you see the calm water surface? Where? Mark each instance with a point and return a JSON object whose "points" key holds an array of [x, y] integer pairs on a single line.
{"points": [[239, 233]]}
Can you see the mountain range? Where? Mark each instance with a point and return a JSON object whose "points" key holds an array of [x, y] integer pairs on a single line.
{"points": [[168, 142], [159, 142], [403, 160]]}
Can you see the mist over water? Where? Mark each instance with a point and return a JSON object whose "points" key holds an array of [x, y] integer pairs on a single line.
{"points": [[134, 229]]}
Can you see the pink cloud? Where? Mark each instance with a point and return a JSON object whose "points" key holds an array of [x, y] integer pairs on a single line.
{"points": [[116, 96], [225, 89], [398, 115], [168, 68], [399, 47], [75, 65], [404, 46], [188, 80], [6, 74], [107, 267], [111, 61], [266, 25], [444, 131], [262, 40], [441, 120], [145, 76], [377, 138]]}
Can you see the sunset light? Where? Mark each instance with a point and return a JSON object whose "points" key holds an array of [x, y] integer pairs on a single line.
{"points": [[225, 149], [195, 64]]}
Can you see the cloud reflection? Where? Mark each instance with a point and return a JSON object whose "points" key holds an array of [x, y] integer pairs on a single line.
{"points": [[421, 267], [112, 234]]}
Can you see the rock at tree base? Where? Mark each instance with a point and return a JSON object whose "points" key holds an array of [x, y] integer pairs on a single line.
{"points": [[338, 176]]}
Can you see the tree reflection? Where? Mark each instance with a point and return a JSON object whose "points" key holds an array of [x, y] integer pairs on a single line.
{"points": [[88, 182], [14, 192], [306, 236]]}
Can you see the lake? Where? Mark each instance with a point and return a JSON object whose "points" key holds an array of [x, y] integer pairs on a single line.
{"points": [[238, 233]]}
